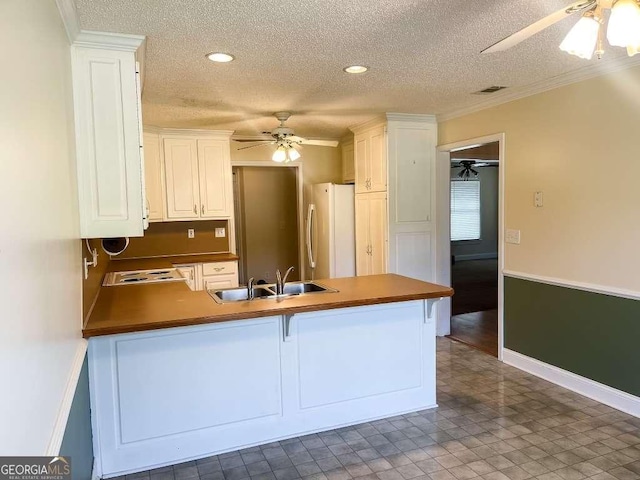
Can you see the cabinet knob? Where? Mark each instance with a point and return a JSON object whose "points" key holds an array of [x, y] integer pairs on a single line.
{"points": [[202, 209], [195, 209]]}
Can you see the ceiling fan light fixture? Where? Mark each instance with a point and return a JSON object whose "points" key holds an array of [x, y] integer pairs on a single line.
{"points": [[220, 57], [582, 38], [355, 69], [280, 155], [624, 24], [293, 154]]}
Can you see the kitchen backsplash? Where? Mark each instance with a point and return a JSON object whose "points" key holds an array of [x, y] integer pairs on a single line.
{"points": [[171, 238]]}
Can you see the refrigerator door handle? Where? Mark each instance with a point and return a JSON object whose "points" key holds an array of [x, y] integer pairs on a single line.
{"points": [[310, 217]]}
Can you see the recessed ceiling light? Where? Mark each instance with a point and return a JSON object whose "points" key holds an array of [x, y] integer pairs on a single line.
{"points": [[220, 57], [356, 69]]}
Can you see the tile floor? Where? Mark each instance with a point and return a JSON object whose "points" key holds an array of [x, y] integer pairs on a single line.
{"points": [[493, 422]]}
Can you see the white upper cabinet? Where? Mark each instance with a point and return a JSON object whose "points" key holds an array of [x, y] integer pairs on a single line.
{"points": [[371, 160], [214, 165], [198, 176], [153, 176], [181, 170], [107, 117], [348, 163]]}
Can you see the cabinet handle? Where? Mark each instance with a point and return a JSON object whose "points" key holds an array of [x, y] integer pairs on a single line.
{"points": [[195, 209], [218, 269], [202, 209]]}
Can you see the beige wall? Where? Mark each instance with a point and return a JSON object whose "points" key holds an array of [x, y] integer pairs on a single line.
{"points": [[40, 297], [580, 145]]}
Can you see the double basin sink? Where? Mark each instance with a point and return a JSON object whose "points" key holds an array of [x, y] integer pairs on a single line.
{"points": [[241, 294]]}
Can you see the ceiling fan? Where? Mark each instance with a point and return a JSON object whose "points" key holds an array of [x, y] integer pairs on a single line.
{"points": [[468, 168], [587, 35], [287, 144]]}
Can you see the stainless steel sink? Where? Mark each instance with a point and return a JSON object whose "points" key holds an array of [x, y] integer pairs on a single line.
{"points": [[240, 294], [298, 288]]}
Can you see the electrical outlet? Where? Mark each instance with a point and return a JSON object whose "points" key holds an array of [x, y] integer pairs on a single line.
{"points": [[221, 232], [513, 236], [538, 199], [191, 233]]}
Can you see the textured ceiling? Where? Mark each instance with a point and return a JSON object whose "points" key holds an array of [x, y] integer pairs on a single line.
{"points": [[423, 54]]}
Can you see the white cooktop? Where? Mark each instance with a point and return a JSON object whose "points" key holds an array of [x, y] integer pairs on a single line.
{"points": [[143, 276]]}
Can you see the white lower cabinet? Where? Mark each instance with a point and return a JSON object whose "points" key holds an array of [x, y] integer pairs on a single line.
{"points": [[191, 273], [173, 395]]}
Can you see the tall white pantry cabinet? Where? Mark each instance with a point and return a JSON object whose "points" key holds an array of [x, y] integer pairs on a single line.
{"points": [[395, 195]]}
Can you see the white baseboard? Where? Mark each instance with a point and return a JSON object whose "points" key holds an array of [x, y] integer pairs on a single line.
{"points": [[612, 397], [60, 426], [475, 256]]}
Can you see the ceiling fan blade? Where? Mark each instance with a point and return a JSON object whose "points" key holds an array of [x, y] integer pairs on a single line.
{"points": [[321, 143], [531, 30], [482, 164], [254, 146], [249, 140]]}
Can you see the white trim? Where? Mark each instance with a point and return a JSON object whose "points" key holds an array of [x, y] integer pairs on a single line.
{"points": [[111, 41], [53, 449], [586, 287], [69, 15], [443, 214], [94, 471], [219, 134], [599, 392], [369, 124], [300, 194], [476, 256], [593, 70], [412, 117]]}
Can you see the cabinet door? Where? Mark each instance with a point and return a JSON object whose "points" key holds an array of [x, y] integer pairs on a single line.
{"points": [[153, 176], [361, 153], [348, 164], [215, 178], [377, 160], [109, 165], [378, 232], [362, 235], [181, 172], [189, 272]]}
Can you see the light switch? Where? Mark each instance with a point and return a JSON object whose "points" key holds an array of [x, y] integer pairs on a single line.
{"points": [[538, 200], [191, 233], [513, 236], [221, 232]]}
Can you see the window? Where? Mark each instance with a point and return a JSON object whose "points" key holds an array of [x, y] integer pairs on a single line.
{"points": [[465, 210]]}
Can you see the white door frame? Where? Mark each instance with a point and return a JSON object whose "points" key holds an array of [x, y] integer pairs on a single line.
{"points": [[299, 186], [443, 229]]}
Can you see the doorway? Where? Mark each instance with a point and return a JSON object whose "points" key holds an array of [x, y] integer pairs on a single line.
{"points": [[267, 222], [470, 197], [474, 246]]}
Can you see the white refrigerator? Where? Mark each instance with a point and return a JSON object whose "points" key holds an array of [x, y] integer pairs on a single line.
{"points": [[330, 236]]}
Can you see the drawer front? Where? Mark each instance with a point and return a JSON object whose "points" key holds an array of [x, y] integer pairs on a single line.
{"points": [[219, 268], [218, 282]]}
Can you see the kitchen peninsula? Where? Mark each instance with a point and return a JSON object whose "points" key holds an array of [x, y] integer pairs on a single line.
{"points": [[176, 376]]}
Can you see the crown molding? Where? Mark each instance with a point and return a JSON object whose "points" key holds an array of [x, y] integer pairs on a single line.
{"points": [[597, 69], [111, 41], [411, 117], [222, 134], [69, 15], [374, 122]]}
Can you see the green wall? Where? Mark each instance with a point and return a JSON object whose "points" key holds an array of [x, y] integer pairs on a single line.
{"points": [[77, 441], [593, 335]]}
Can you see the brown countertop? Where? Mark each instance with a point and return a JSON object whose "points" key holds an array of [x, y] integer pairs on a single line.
{"points": [[129, 264], [134, 308]]}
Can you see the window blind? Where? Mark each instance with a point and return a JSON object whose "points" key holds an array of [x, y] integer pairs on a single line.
{"points": [[465, 210]]}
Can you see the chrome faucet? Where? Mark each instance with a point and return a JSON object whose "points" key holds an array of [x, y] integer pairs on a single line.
{"points": [[281, 281], [250, 294]]}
